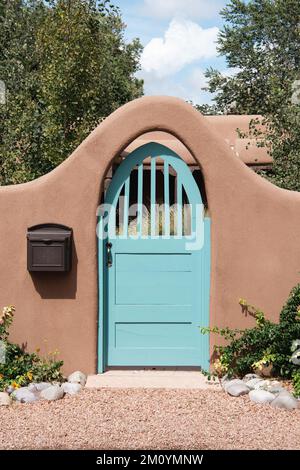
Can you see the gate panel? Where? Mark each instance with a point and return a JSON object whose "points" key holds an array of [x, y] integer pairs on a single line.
{"points": [[156, 276]]}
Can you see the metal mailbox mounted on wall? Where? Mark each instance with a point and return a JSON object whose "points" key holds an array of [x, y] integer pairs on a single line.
{"points": [[49, 248]]}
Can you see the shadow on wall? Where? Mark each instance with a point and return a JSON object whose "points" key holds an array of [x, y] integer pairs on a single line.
{"points": [[57, 285]]}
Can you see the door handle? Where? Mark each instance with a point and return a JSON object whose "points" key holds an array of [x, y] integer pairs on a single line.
{"points": [[109, 255]]}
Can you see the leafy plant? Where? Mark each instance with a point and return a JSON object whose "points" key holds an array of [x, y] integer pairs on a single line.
{"points": [[260, 40], [66, 66], [5, 321], [296, 383], [266, 344], [18, 367]]}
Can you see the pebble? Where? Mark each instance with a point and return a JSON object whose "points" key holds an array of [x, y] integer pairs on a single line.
{"points": [[261, 396], [38, 387], [71, 388], [250, 377], [286, 401], [77, 377], [252, 383], [24, 395], [5, 399], [52, 393], [231, 382], [238, 389]]}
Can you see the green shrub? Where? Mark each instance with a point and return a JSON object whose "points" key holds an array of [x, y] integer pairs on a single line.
{"points": [[19, 367], [266, 344], [296, 383]]}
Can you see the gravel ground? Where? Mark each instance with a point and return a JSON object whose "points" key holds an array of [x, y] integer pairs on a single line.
{"points": [[149, 419]]}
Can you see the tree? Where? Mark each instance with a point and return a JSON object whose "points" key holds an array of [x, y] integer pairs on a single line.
{"points": [[66, 67], [261, 41]]}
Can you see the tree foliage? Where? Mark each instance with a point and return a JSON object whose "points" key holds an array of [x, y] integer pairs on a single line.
{"points": [[66, 66], [261, 42]]}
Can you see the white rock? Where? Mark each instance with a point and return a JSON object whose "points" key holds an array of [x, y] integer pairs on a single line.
{"points": [[77, 378], [285, 400], [5, 399], [261, 385], [54, 392], [225, 378], [71, 388], [38, 387], [250, 377], [253, 382], [231, 382], [24, 395], [261, 396], [275, 388], [238, 389]]}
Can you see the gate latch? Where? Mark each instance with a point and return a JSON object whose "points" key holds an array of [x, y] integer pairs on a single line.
{"points": [[109, 256]]}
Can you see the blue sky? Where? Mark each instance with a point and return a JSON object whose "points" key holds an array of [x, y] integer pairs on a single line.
{"points": [[179, 43]]}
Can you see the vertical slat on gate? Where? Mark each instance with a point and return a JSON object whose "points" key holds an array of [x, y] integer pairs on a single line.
{"points": [[179, 206], [153, 197], [140, 200], [126, 206], [167, 199]]}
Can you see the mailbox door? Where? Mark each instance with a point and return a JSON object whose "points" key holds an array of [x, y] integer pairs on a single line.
{"points": [[47, 256]]}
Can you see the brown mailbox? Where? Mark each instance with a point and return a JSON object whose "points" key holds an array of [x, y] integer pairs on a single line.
{"points": [[49, 248]]}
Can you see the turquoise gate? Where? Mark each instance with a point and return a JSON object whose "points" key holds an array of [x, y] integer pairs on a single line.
{"points": [[154, 265]]}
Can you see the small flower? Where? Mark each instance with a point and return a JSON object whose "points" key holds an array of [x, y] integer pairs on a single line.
{"points": [[220, 368], [242, 302], [29, 375], [15, 385], [1, 376]]}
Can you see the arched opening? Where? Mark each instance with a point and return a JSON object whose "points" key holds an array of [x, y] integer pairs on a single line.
{"points": [[154, 261], [170, 141]]}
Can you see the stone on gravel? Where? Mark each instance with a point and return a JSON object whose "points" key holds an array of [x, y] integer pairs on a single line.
{"points": [[71, 388], [237, 389], [5, 399], [275, 387], [285, 400], [10, 389], [77, 378], [231, 382], [224, 380], [261, 396], [261, 384], [253, 382], [54, 392], [38, 387], [250, 377], [24, 395]]}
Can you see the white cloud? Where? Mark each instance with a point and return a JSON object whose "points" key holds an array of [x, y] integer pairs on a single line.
{"points": [[197, 79], [166, 9], [183, 43]]}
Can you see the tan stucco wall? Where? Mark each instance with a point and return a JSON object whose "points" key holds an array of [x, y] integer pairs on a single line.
{"points": [[255, 232]]}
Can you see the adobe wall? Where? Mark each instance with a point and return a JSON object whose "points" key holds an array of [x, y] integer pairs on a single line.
{"points": [[255, 233]]}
